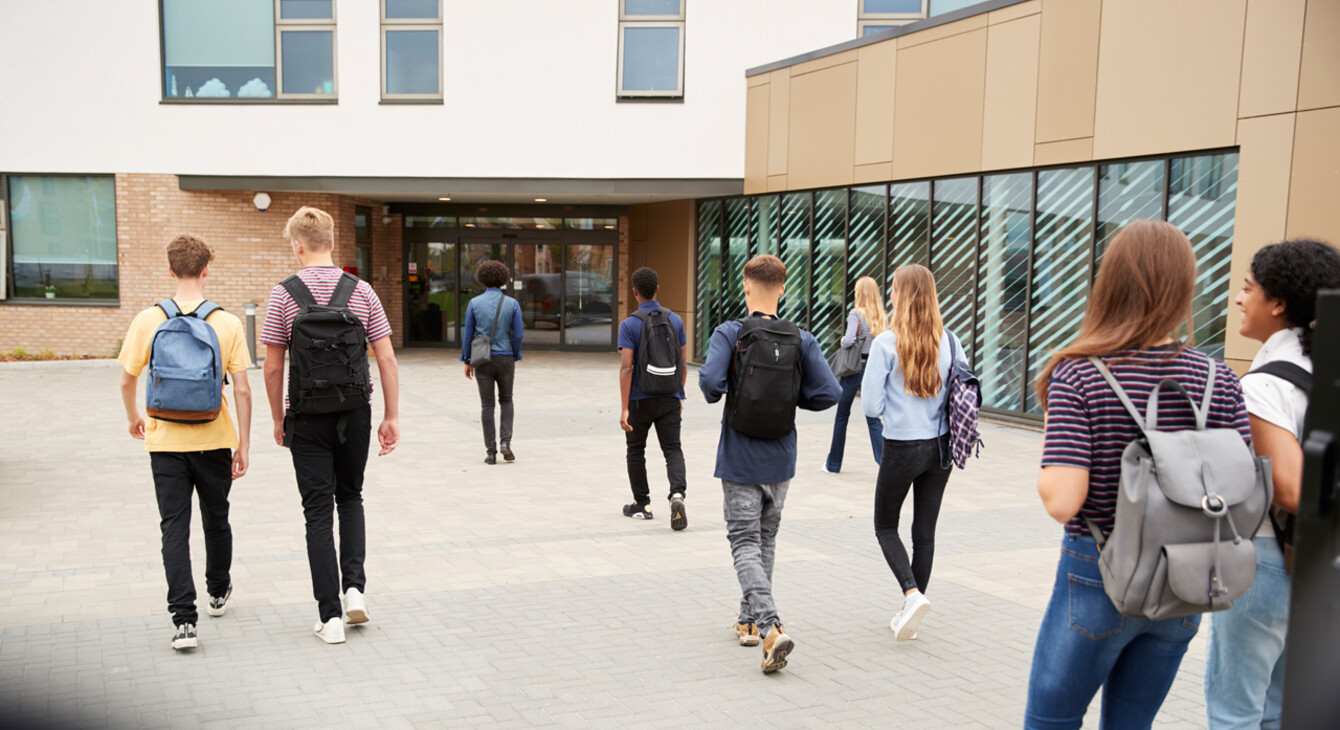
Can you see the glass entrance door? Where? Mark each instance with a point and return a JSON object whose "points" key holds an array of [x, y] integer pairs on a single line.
{"points": [[537, 283], [430, 297], [474, 253], [588, 307]]}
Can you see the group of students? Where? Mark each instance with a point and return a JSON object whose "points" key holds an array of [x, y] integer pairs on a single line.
{"points": [[1128, 348]]}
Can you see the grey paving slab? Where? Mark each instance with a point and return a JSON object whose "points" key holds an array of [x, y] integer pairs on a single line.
{"points": [[514, 595]]}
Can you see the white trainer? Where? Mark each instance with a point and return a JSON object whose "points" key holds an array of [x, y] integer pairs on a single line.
{"points": [[331, 632], [905, 622], [355, 607]]}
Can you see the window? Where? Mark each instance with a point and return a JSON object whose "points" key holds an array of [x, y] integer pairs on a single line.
{"points": [[363, 243], [411, 50], [4, 243], [651, 49], [248, 50], [874, 16], [63, 243]]}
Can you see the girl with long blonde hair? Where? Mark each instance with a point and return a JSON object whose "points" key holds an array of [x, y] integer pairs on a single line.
{"points": [[865, 322], [904, 386]]}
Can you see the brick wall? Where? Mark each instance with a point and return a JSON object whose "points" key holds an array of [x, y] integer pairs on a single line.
{"points": [[251, 256]]}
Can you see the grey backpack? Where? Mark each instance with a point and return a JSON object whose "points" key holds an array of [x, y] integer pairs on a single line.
{"points": [[1187, 508]]}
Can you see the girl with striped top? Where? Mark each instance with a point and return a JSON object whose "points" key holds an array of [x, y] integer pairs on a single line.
{"points": [[1140, 300], [865, 321]]}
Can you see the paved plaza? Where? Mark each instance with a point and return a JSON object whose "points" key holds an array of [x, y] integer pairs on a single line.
{"points": [[514, 595]]}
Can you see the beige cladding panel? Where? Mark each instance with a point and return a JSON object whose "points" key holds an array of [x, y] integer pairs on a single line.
{"points": [[1010, 108], [1162, 88], [1059, 153], [971, 23], [1313, 211], [1067, 69], [937, 127], [779, 111], [875, 87], [1264, 161], [823, 126], [1270, 57], [756, 139], [1319, 78], [1014, 12]]}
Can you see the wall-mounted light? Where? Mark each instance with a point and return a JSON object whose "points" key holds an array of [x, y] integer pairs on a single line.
{"points": [[261, 201], [542, 200], [445, 198]]}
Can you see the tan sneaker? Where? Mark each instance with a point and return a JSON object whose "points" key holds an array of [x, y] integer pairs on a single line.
{"points": [[776, 645], [748, 633]]}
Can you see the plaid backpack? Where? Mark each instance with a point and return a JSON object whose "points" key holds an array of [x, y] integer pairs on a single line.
{"points": [[962, 404]]}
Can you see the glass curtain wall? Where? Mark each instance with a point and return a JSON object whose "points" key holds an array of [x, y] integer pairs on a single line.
{"points": [[1014, 254]]}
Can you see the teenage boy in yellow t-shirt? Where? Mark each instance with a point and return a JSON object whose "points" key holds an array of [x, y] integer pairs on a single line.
{"points": [[192, 457]]}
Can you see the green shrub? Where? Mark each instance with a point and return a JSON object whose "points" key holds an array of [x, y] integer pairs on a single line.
{"points": [[47, 354], [116, 349], [19, 353]]}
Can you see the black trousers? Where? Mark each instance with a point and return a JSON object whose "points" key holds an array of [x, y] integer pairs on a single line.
{"points": [[499, 372], [329, 467], [665, 415], [176, 476], [915, 466]]}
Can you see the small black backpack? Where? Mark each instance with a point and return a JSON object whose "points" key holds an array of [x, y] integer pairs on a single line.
{"points": [[764, 382], [328, 356], [660, 360]]}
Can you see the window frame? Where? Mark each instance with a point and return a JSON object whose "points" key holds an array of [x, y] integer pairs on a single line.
{"points": [[625, 16], [7, 249], [390, 25], [678, 92], [864, 19]]}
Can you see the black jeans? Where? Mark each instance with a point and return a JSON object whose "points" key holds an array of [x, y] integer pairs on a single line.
{"points": [[330, 478], [500, 370], [176, 476], [911, 465], [664, 414]]}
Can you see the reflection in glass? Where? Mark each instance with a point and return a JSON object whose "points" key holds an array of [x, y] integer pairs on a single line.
{"points": [[891, 6], [363, 262], [796, 256], [865, 255], [303, 9], [739, 219], [431, 299], [514, 223], [539, 272], [218, 50], [472, 255], [828, 317], [940, 7], [1202, 197], [588, 307], [430, 221], [591, 224], [708, 278], [909, 228], [1127, 191], [1062, 246], [768, 240], [309, 61], [63, 236], [396, 9], [1002, 299], [954, 254], [411, 62], [650, 58], [362, 230], [651, 7]]}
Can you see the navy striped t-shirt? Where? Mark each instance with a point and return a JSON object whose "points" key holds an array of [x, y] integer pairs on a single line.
{"points": [[1087, 427]]}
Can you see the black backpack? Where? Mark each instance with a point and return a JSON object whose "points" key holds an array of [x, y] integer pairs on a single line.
{"points": [[1280, 520], [764, 382], [328, 356], [660, 360]]}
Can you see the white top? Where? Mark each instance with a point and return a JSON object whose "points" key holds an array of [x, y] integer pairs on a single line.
{"points": [[1274, 400]]}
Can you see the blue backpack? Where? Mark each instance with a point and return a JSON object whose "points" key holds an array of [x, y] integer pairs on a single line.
{"points": [[185, 367]]}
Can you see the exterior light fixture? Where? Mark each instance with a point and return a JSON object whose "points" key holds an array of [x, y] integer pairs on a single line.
{"points": [[261, 201], [444, 199], [541, 200]]}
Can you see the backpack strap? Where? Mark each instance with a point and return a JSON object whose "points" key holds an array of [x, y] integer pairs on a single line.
{"points": [[1121, 393], [169, 308], [344, 289], [297, 289], [498, 312], [1289, 372], [205, 309], [1202, 413]]}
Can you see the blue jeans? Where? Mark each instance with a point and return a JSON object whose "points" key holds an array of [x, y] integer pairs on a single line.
{"points": [[851, 384], [1084, 644], [753, 515], [1244, 661]]}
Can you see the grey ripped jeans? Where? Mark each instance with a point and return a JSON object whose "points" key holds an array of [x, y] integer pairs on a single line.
{"points": [[753, 513]]}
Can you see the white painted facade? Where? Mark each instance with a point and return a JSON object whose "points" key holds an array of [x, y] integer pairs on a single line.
{"points": [[529, 92]]}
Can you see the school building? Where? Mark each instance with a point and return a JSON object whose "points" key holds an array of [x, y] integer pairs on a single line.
{"points": [[1001, 143]]}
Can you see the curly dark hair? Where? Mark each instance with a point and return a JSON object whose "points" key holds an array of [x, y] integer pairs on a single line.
{"points": [[1293, 271], [493, 274], [646, 282]]}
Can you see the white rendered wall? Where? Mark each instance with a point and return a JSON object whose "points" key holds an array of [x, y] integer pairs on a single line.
{"points": [[529, 88]]}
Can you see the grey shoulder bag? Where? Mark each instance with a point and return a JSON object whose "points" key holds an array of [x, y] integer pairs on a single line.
{"points": [[847, 360], [481, 345]]}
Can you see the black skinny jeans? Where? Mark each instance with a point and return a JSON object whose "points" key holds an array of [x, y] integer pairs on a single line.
{"points": [[913, 465], [665, 415], [176, 476]]}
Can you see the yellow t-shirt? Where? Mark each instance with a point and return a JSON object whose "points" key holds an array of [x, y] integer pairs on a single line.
{"points": [[166, 435]]}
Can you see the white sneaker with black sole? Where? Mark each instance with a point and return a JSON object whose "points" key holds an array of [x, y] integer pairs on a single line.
{"points": [[355, 607], [332, 631], [184, 638], [218, 605]]}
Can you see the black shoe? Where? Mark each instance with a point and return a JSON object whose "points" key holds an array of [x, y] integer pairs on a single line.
{"points": [[679, 518], [184, 638], [506, 451], [637, 511], [218, 605], [491, 459]]}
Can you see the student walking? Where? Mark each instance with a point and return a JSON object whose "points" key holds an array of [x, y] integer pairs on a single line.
{"points": [[766, 368], [651, 390], [1140, 300], [904, 386], [1244, 659], [865, 322], [490, 350], [190, 346], [325, 420]]}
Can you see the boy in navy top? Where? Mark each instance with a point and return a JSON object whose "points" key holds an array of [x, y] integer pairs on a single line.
{"points": [[641, 411], [755, 473]]}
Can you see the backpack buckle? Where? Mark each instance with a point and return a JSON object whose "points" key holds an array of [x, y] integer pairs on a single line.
{"points": [[1216, 509], [320, 383], [320, 344]]}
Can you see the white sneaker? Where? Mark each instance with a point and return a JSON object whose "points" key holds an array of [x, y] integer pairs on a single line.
{"points": [[826, 470], [331, 632], [355, 608], [904, 623]]}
